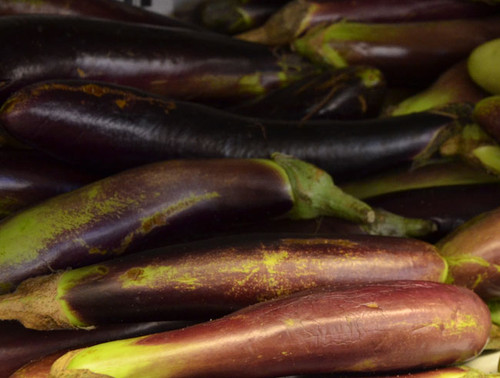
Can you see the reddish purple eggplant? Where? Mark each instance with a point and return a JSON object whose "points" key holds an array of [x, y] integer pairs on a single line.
{"points": [[411, 53], [299, 16], [28, 177], [487, 115], [347, 93], [399, 325], [210, 278], [104, 126], [160, 203], [106, 9], [174, 62], [19, 345]]}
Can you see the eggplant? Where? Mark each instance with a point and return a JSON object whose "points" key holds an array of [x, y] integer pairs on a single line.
{"points": [[162, 203], [28, 177], [349, 93], [354, 329], [473, 256], [174, 62], [106, 9], [210, 278], [397, 49], [19, 345], [487, 114], [453, 86], [299, 16], [483, 65], [109, 127]]}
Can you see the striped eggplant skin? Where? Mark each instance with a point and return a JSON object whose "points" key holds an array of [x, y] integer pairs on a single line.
{"points": [[487, 114], [210, 278], [20, 345], [299, 16], [397, 48], [28, 177], [473, 255], [349, 330], [150, 204], [158, 59], [112, 10], [105, 126]]}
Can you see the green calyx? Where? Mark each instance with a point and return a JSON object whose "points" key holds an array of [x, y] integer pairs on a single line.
{"points": [[315, 193]]}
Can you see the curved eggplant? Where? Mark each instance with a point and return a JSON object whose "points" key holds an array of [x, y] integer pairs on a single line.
{"points": [[112, 127], [384, 327], [174, 62]]}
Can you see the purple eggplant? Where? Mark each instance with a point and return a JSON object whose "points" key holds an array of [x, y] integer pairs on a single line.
{"points": [[113, 127], [210, 278], [174, 62], [161, 203], [384, 327]]}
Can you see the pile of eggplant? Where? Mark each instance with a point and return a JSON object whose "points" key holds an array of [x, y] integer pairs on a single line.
{"points": [[301, 188]]}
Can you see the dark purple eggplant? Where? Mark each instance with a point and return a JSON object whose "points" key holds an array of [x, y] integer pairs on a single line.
{"points": [[106, 9], [210, 278], [19, 345], [487, 115], [298, 16], [349, 93], [174, 62], [162, 203], [111, 127], [384, 327], [28, 177], [411, 53]]}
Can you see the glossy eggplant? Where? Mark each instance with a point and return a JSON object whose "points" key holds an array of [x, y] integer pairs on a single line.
{"points": [[20, 345], [211, 278], [104, 126], [370, 328], [174, 62], [160, 203], [299, 16], [487, 115], [349, 93], [483, 65], [473, 256], [397, 49], [28, 177], [106, 9]]}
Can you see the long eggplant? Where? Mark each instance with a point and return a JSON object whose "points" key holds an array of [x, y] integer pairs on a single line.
{"points": [[398, 49], [106, 9], [369, 328], [210, 278], [20, 345], [299, 16], [349, 93], [160, 203], [483, 65], [28, 177], [174, 62], [487, 114], [112, 127]]}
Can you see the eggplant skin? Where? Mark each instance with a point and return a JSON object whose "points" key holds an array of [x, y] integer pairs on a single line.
{"points": [[400, 325]]}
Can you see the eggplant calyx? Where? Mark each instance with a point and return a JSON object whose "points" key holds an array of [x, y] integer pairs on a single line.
{"points": [[315, 193]]}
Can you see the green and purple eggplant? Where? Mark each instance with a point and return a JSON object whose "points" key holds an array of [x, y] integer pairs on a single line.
{"points": [[174, 62], [28, 177], [20, 345], [483, 65], [382, 327], [103, 126], [349, 93], [160, 203], [210, 278], [398, 49], [106, 9], [487, 114], [452, 86]]}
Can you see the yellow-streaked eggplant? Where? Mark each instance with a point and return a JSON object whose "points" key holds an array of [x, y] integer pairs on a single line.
{"points": [[383, 327], [210, 278], [175, 62], [158, 203], [113, 127]]}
